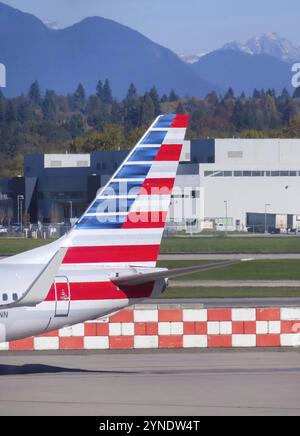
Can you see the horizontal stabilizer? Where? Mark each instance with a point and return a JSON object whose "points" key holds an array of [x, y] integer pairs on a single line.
{"points": [[156, 274], [39, 289]]}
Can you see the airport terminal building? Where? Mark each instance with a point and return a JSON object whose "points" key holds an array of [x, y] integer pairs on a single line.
{"points": [[225, 184], [242, 183]]}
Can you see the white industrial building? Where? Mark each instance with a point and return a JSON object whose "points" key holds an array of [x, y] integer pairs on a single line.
{"points": [[232, 184]]}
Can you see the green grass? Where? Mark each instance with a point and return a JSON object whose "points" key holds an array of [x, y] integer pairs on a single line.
{"points": [[10, 246], [249, 244], [203, 292], [254, 270], [282, 244]]}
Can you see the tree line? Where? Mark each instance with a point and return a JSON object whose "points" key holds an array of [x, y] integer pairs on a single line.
{"points": [[49, 123]]}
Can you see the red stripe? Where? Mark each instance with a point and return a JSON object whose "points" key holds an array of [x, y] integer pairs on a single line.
{"points": [[145, 220], [169, 152], [157, 187], [104, 291], [181, 121], [119, 253]]}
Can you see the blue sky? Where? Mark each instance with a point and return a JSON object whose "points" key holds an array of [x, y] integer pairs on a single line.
{"points": [[185, 26]]}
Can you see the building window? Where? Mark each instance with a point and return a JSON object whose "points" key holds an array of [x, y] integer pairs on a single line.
{"points": [[235, 154], [56, 164], [248, 173], [82, 164]]}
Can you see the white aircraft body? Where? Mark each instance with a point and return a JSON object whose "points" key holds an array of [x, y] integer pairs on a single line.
{"points": [[108, 260]]}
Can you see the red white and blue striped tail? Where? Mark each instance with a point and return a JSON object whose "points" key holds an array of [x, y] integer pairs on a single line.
{"points": [[125, 223]]}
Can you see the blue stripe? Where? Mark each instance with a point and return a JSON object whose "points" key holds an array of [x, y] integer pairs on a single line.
{"points": [[155, 137], [133, 172], [165, 121], [122, 188], [144, 154], [111, 205], [104, 222]]}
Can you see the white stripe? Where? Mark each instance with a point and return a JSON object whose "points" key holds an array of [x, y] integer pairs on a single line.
{"points": [[111, 265], [127, 180], [92, 238], [109, 215], [175, 134], [161, 170]]}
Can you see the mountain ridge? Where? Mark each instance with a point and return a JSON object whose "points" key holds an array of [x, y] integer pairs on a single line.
{"points": [[268, 43], [244, 72], [94, 49]]}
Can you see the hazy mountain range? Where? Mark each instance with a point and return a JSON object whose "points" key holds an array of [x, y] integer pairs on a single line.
{"points": [[97, 48]]}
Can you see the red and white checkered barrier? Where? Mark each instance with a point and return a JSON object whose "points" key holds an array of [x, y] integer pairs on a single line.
{"points": [[185, 326]]}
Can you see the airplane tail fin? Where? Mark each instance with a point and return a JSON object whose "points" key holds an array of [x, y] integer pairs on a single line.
{"points": [[125, 223]]}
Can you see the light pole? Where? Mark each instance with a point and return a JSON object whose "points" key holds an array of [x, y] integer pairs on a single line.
{"points": [[20, 199], [71, 211], [266, 221], [226, 215]]}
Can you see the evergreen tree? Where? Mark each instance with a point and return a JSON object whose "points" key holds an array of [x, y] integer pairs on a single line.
{"points": [[10, 111], [34, 94], [156, 101], [78, 99], [173, 96], [132, 108], [107, 97], [229, 94], [99, 90], [147, 110], [238, 117], [49, 106], [285, 93], [256, 94], [297, 93], [76, 126], [132, 93], [24, 111], [164, 98]]}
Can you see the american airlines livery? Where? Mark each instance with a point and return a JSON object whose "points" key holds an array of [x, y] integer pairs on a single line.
{"points": [[108, 259]]}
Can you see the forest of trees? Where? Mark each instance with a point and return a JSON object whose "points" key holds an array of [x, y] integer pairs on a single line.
{"points": [[49, 123]]}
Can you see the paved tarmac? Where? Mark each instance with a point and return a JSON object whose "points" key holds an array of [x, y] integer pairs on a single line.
{"points": [[152, 383]]}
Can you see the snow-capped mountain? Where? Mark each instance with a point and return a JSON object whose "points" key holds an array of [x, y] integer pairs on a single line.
{"points": [[191, 59], [270, 44]]}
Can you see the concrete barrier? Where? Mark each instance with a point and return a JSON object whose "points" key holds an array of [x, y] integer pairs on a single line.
{"points": [[175, 326]]}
